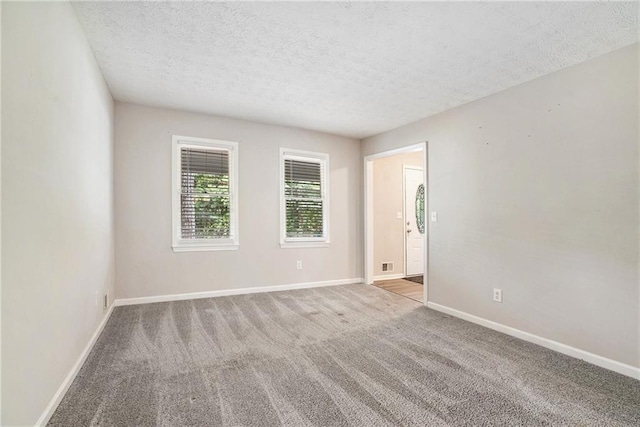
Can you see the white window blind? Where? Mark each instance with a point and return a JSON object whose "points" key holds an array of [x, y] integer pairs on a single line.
{"points": [[204, 198], [304, 197], [205, 194]]}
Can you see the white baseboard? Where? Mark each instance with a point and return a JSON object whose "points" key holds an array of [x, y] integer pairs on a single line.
{"points": [[55, 401], [389, 277], [240, 291], [594, 359]]}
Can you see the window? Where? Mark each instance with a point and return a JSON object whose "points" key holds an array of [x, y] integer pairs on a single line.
{"points": [[205, 194], [304, 200]]}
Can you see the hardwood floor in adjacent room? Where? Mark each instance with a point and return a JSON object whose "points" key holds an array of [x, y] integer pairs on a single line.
{"points": [[402, 287]]}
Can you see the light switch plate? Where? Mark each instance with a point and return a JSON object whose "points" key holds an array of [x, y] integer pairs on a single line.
{"points": [[434, 216]]}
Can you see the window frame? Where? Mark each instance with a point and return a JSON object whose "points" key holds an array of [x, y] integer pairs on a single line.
{"points": [[305, 242], [193, 245]]}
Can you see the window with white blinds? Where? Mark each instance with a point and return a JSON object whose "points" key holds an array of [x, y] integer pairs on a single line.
{"points": [[304, 198], [205, 194]]}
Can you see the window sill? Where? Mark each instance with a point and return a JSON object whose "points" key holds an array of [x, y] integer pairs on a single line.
{"points": [[204, 248], [294, 245]]}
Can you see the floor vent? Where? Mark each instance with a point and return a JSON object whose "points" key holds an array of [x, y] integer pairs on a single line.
{"points": [[387, 266]]}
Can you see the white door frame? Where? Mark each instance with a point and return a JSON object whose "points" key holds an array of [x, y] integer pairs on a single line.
{"points": [[404, 210], [368, 209]]}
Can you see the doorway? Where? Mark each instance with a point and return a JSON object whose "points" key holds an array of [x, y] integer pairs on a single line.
{"points": [[414, 196], [396, 231]]}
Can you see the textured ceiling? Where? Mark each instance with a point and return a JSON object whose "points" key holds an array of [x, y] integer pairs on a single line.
{"points": [[353, 69]]}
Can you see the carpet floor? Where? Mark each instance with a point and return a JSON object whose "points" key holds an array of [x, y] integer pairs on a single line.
{"points": [[335, 356]]}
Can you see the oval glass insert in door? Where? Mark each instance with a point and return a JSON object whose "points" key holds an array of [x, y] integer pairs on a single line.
{"points": [[420, 208]]}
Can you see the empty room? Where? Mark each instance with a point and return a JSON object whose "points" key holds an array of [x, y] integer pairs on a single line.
{"points": [[320, 213]]}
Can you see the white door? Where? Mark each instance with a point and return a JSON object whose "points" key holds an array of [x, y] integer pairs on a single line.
{"points": [[414, 241]]}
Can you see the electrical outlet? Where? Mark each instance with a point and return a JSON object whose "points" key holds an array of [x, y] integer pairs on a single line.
{"points": [[497, 295], [299, 265]]}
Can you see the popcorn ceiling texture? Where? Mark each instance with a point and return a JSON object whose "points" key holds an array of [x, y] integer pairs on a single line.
{"points": [[354, 69]]}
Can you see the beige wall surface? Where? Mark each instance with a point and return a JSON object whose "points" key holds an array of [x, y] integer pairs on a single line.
{"points": [[388, 200], [536, 190], [57, 241], [146, 264]]}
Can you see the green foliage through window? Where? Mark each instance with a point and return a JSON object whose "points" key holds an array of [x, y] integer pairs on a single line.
{"points": [[205, 211]]}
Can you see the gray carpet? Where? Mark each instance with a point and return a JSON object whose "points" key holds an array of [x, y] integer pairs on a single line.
{"points": [[345, 355]]}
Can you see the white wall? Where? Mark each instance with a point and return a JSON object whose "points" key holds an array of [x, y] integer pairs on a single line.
{"points": [[388, 200], [536, 190], [146, 265], [57, 241]]}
